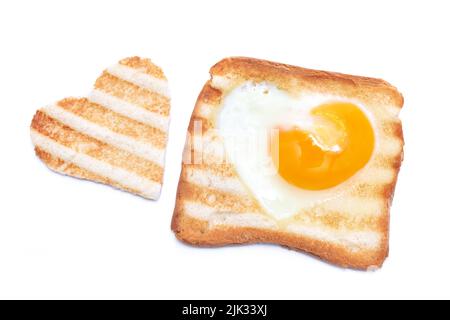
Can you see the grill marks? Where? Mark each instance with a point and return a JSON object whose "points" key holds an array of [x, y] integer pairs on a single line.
{"points": [[221, 201], [114, 121], [71, 169], [132, 93]]}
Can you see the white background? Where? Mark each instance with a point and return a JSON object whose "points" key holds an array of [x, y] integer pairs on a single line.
{"points": [[65, 238]]}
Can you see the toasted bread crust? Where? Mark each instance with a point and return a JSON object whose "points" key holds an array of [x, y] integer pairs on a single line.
{"points": [[374, 92], [293, 78], [195, 232], [145, 65]]}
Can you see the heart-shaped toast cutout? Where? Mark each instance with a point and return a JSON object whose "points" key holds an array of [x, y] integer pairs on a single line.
{"points": [[116, 136], [231, 191]]}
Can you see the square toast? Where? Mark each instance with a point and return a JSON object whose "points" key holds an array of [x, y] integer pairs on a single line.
{"points": [[215, 208]]}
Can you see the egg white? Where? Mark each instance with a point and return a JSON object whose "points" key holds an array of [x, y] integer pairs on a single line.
{"points": [[248, 113]]}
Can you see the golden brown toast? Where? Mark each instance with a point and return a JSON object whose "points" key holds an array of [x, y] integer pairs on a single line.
{"points": [[116, 136], [214, 207]]}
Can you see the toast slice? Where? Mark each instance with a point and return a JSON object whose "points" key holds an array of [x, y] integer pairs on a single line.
{"points": [[214, 207], [116, 136]]}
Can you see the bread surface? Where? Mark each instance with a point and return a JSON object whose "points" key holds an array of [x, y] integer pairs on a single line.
{"points": [[214, 208]]}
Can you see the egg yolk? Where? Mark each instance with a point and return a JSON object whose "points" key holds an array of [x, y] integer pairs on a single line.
{"points": [[339, 143]]}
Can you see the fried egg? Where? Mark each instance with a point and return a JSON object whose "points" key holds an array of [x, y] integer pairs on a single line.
{"points": [[294, 151]]}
